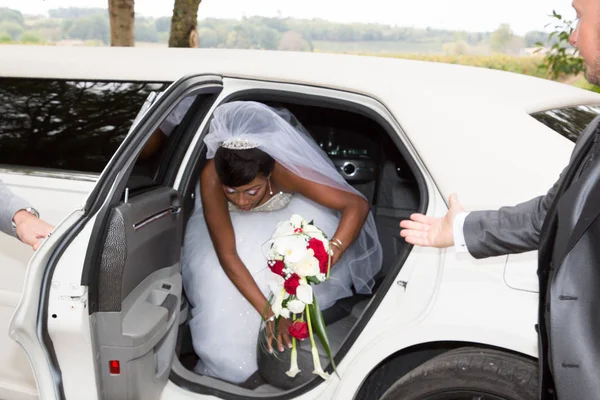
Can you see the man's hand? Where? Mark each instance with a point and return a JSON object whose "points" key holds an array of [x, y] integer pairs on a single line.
{"points": [[30, 229], [427, 231]]}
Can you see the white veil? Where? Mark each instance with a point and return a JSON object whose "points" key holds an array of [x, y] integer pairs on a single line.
{"points": [[292, 147]]}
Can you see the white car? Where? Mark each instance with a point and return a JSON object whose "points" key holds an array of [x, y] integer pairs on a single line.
{"points": [[99, 310]]}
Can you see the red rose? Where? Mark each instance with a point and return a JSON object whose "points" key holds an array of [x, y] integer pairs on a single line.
{"points": [[291, 284], [320, 254], [298, 230], [299, 330], [277, 267]]}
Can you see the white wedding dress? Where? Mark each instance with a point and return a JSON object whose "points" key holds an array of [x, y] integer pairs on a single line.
{"points": [[224, 325]]}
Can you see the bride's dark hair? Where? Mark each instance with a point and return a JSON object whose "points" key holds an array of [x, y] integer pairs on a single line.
{"points": [[240, 167]]}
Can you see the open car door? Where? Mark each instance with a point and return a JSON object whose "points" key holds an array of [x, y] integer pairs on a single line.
{"points": [[99, 314]]}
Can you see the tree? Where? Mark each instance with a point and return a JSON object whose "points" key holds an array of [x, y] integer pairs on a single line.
{"points": [[12, 28], [92, 27], [501, 38], [293, 41], [184, 24], [208, 37], [458, 48], [31, 37], [162, 24], [7, 14], [145, 31], [534, 37], [5, 37], [562, 59], [122, 22]]}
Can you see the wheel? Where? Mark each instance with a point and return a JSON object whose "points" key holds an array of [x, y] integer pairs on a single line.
{"points": [[469, 374]]}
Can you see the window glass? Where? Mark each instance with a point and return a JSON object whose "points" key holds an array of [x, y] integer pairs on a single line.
{"points": [[158, 152], [67, 125], [569, 122]]}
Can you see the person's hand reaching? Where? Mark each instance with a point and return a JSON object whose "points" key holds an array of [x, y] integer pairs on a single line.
{"points": [[30, 229], [425, 231]]}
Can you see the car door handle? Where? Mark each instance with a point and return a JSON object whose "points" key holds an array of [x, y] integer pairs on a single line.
{"points": [[169, 211]]}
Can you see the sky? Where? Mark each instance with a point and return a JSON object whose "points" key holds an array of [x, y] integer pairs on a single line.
{"points": [[468, 15]]}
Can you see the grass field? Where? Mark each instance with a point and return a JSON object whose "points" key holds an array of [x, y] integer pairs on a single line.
{"points": [[377, 47], [522, 65]]}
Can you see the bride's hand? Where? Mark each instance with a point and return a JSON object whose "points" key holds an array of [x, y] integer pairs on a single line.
{"points": [[282, 333], [337, 254]]}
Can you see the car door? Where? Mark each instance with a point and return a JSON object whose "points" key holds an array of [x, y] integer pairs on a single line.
{"points": [[56, 136], [98, 318]]}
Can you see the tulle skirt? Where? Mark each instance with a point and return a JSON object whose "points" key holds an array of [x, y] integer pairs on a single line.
{"points": [[224, 325]]}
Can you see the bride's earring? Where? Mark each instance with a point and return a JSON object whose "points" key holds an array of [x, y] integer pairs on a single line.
{"points": [[270, 190]]}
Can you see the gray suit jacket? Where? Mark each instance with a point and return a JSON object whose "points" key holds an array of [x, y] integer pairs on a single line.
{"points": [[9, 205], [568, 326], [516, 229]]}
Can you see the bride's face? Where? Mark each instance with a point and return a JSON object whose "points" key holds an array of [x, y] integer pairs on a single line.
{"points": [[248, 196]]}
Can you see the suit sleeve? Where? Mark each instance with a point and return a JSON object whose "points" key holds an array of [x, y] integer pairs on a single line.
{"points": [[508, 230], [9, 205], [515, 229]]}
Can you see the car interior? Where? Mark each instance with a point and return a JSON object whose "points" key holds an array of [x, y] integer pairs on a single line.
{"points": [[364, 152]]}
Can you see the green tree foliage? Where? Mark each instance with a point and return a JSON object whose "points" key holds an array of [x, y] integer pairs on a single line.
{"points": [[31, 37], [7, 14], [162, 24], [5, 37], [501, 38], [75, 12], [145, 30], [91, 27], [535, 38], [91, 24], [12, 28], [562, 59]]}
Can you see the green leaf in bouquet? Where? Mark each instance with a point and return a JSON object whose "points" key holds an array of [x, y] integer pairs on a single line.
{"points": [[313, 279], [318, 325]]}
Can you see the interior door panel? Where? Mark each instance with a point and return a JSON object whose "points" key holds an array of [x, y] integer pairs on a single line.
{"points": [[139, 295]]}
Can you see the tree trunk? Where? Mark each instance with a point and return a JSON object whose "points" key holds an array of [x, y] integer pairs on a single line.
{"points": [[184, 24], [122, 22]]}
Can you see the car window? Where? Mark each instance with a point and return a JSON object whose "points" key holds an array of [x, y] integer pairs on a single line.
{"points": [[158, 152], [569, 122], [65, 124]]}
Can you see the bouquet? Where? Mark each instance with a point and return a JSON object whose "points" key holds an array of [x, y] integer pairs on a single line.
{"points": [[299, 254]]}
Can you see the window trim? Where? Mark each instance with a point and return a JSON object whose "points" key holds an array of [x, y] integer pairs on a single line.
{"points": [[49, 173]]}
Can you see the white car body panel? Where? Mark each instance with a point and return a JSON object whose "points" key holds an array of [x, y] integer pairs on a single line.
{"points": [[460, 122], [70, 330], [521, 272], [23, 325], [54, 198]]}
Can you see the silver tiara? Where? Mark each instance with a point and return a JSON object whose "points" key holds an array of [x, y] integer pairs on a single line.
{"points": [[237, 143]]}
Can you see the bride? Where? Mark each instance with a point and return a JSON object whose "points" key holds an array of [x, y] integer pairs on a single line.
{"points": [[260, 171]]}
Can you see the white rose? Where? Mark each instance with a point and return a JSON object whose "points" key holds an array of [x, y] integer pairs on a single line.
{"points": [[296, 306], [285, 313], [316, 233], [297, 221], [284, 228], [292, 248], [308, 265]]}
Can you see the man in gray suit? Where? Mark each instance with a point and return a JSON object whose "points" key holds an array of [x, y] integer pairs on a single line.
{"points": [[18, 218], [564, 226]]}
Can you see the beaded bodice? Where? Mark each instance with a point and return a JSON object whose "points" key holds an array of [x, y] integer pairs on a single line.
{"points": [[277, 202]]}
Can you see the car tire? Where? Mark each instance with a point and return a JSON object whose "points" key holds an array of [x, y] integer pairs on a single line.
{"points": [[469, 373]]}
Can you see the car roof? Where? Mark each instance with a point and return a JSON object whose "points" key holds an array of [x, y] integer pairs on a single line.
{"points": [[471, 126]]}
